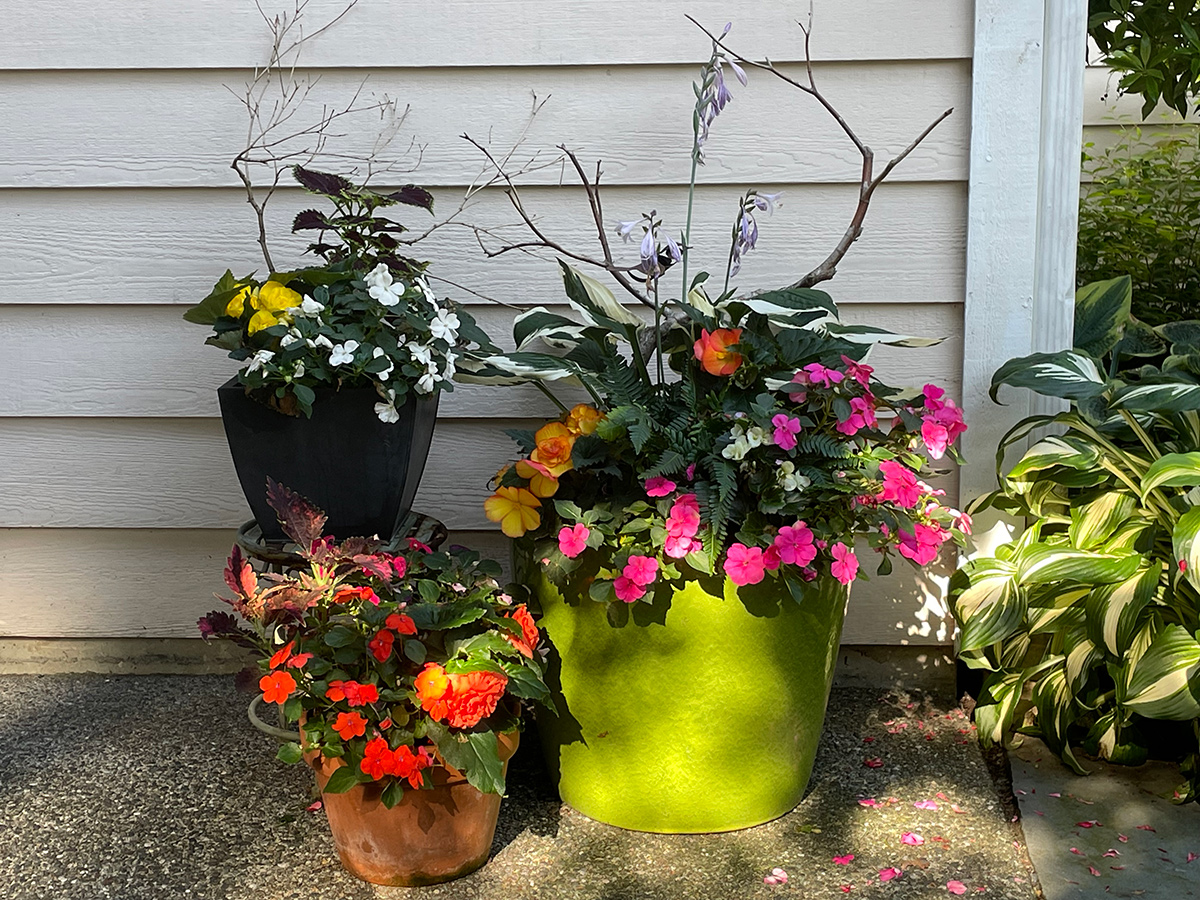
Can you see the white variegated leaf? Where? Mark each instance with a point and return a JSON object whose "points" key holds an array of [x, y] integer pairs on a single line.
{"points": [[1113, 609], [1172, 396], [1066, 374], [1045, 564], [867, 334], [1172, 470], [1057, 450], [1165, 682], [1186, 542]]}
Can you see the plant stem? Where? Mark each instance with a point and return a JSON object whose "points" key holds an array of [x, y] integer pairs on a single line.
{"points": [[687, 230], [658, 334], [549, 393]]}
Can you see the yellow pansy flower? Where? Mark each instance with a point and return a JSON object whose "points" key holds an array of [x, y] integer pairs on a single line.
{"points": [[515, 509]]}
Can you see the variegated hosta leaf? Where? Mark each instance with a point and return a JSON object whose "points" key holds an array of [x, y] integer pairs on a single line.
{"points": [[1056, 450], [1056, 711], [1046, 564], [1066, 374], [1156, 396], [794, 307], [552, 329], [1079, 664], [1094, 522], [1185, 542], [1165, 682], [1113, 609], [1113, 739], [514, 368], [1101, 313], [1128, 534], [1182, 336], [596, 299], [1172, 470], [991, 607], [866, 334], [997, 706]]}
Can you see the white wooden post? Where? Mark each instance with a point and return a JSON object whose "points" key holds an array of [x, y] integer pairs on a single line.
{"points": [[1026, 121]]}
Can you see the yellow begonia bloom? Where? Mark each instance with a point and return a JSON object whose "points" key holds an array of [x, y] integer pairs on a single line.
{"points": [[276, 298], [260, 320], [583, 419], [541, 482], [237, 305], [515, 509], [554, 445]]}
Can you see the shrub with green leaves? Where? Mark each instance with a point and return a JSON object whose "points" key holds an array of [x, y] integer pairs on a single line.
{"points": [[1088, 624], [1141, 217]]}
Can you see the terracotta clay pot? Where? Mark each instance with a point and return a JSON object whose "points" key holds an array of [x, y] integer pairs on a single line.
{"points": [[430, 836]]}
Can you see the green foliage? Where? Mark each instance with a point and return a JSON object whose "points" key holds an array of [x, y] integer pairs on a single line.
{"points": [[1140, 217], [1092, 617], [1154, 44]]}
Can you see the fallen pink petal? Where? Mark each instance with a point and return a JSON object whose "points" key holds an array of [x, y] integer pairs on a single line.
{"points": [[912, 839], [847, 888], [1145, 828], [956, 887], [873, 762], [313, 807], [1123, 838], [1094, 871], [956, 808], [889, 873], [1090, 823], [871, 803], [1077, 851], [1110, 852], [1056, 794], [1192, 856], [926, 804], [843, 860]]}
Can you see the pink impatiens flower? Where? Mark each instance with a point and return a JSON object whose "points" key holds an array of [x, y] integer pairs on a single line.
{"points": [[795, 544], [677, 546], [889, 873], [826, 378], [800, 378], [744, 565], [943, 422], [900, 485], [659, 486], [771, 558], [858, 371], [845, 563], [786, 429], [641, 570], [922, 547], [862, 415], [572, 539], [628, 590]]}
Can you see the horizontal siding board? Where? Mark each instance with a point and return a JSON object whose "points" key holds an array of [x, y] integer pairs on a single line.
{"points": [[118, 34], [134, 246], [112, 587], [144, 361], [167, 128]]}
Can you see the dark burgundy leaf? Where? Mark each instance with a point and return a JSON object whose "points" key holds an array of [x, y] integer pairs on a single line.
{"points": [[379, 566], [310, 220], [300, 519], [239, 575], [223, 624], [322, 182], [413, 196]]}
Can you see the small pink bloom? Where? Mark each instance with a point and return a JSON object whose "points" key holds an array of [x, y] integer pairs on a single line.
{"points": [[691, 472], [827, 378], [933, 396], [900, 484], [926, 804], [399, 565], [822, 544], [941, 428], [659, 486], [771, 558], [777, 876], [912, 839], [641, 570], [679, 546], [795, 544], [858, 371], [786, 429], [845, 565], [572, 539], [922, 547], [628, 590], [744, 565], [862, 415], [1183, 565], [843, 860], [889, 873]]}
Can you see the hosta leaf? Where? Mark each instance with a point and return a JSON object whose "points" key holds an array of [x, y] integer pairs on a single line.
{"points": [[541, 324], [1080, 660], [1113, 609], [792, 306], [594, 300], [1057, 450], [1056, 711], [1066, 374], [997, 706], [514, 368], [1187, 547], [1172, 470], [1165, 682], [1101, 312], [1183, 335], [1158, 396], [1045, 564], [990, 607], [866, 334], [1095, 522]]}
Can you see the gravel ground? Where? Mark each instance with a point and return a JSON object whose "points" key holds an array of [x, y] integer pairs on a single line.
{"points": [[158, 787]]}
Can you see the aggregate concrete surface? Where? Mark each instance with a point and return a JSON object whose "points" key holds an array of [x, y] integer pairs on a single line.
{"points": [[158, 787]]}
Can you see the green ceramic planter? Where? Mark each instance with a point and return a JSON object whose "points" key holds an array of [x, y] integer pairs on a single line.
{"points": [[700, 712]]}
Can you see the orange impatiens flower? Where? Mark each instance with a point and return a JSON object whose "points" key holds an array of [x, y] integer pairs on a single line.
{"points": [[583, 419], [281, 655], [516, 509], [381, 645], [277, 687], [713, 351], [554, 444], [406, 764], [401, 624], [529, 633], [541, 482], [377, 758], [432, 686], [350, 725]]}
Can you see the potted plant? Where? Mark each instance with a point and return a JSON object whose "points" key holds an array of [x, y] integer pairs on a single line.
{"points": [[342, 364], [1087, 626], [690, 538], [404, 674]]}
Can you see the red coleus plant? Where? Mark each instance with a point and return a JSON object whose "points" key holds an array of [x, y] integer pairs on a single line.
{"points": [[394, 663]]}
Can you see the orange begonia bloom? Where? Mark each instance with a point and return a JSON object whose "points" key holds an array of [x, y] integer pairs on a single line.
{"points": [[432, 687], [541, 482], [554, 442], [473, 696], [529, 633], [277, 687], [583, 419], [713, 351], [515, 509]]}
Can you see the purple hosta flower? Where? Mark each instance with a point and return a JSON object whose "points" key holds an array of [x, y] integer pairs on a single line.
{"points": [[659, 251], [713, 93], [745, 236]]}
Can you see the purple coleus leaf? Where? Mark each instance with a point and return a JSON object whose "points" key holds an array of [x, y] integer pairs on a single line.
{"points": [[223, 625], [413, 196], [322, 182], [299, 518]]}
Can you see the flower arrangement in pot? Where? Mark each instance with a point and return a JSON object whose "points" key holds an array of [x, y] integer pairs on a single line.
{"points": [[690, 534], [405, 674], [342, 363]]}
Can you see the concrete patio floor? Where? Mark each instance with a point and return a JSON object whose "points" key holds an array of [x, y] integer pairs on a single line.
{"points": [[158, 787]]}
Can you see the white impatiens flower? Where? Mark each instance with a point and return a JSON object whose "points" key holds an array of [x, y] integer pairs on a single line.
{"points": [[788, 479], [429, 298], [259, 359], [386, 373], [343, 354], [320, 341], [420, 354], [445, 325], [427, 382], [309, 307], [387, 412], [293, 335], [299, 371], [383, 287], [448, 372], [756, 437], [740, 447]]}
